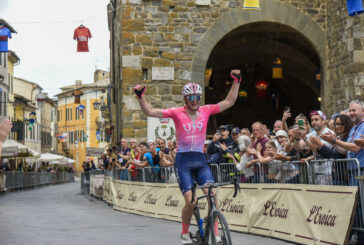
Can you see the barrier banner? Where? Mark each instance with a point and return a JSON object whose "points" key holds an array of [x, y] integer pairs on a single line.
{"points": [[106, 194], [306, 214], [2, 182], [96, 185]]}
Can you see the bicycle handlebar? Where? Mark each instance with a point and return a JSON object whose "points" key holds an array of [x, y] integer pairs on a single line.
{"points": [[215, 185]]}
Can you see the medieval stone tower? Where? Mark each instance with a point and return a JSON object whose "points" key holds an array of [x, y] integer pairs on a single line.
{"points": [[166, 43]]}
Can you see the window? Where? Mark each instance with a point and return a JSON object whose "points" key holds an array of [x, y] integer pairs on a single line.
{"points": [[71, 114], [12, 84], [58, 115], [5, 103], [82, 136], [70, 137], [1, 101], [67, 115], [5, 59], [77, 114], [1, 57]]}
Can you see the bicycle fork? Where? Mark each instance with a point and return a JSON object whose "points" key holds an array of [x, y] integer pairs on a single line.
{"points": [[199, 220]]}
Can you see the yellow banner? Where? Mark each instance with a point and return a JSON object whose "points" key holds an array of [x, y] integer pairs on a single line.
{"points": [[306, 214]]}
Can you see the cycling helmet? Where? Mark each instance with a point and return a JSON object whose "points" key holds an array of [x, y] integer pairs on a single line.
{"points": [[191, 88]]}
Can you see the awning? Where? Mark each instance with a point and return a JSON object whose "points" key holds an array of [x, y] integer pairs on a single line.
{"points": [[68, 160], [48, 157], [23, 150]]}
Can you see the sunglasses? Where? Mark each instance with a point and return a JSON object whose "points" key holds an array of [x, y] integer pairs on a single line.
{"points": [[339, 124], [194, 97]]}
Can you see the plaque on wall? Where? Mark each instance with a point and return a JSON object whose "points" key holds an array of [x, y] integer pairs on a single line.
{"points": [[162, 128], [94, 152], [203, 2], [162, 73]]}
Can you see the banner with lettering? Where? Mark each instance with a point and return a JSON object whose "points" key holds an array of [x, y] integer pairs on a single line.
{"points": [[96, 185], [2, 182], [306, 214]]}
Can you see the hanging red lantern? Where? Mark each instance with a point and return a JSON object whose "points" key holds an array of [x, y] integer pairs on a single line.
{"points": [[261, 86]]}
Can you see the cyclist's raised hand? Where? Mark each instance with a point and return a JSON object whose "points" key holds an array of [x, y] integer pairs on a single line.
{"points": [[236, 75], [139, 90]]}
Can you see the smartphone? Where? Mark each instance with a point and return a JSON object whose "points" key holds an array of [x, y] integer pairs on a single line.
{"points": [[300, 123], [287, 108]]}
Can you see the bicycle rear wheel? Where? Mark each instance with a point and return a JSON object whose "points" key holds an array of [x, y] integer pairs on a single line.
{"points": [[223, 231]]}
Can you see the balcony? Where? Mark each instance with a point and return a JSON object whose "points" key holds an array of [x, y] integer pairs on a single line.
{"points": [[18, 130]]}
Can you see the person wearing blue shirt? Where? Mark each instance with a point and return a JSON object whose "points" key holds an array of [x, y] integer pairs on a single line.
{"points": [[153, 159], [356, 113]]}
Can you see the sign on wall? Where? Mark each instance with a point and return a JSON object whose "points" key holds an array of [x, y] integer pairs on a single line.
{"points": [[203, 2], [94, 152], [162, 73], [162, 128], [11, 151]]}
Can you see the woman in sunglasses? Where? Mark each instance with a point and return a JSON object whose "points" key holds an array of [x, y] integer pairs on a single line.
{"points": [[343, 125], [191, 122]]}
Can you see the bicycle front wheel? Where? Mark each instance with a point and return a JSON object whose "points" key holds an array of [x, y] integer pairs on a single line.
{"points": [[222, 237]]}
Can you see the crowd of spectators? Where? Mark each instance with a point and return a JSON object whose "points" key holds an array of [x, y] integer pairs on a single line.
{"points": [[127, 156], [262, 152], [22, 166]]}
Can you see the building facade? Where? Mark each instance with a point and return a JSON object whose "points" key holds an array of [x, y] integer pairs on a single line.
{"points": [[83, 123], [6, 71], [48, 118], [166, 43], [27, 116], [13, 60]]}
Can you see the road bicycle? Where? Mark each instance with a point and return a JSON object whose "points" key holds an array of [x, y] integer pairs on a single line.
{"points": [[205, 235]]}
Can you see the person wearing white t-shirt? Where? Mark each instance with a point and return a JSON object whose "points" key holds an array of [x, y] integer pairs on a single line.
{"points": [[323, 170]]}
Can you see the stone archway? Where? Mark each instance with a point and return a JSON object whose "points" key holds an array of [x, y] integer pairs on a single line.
{"points": [[272, 11]]}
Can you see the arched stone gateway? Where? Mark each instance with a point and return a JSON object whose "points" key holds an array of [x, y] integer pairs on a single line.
{"points": [[235, 28], [237, 17], [186, 37]]}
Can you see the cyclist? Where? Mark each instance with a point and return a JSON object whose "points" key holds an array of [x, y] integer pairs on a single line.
{"points": [[191, 122]]}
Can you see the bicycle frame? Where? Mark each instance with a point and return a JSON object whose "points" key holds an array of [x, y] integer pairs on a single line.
{"points": [[205, 233]]}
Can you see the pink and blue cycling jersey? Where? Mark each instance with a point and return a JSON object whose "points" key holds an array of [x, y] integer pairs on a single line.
{"points": [[190, 135]]}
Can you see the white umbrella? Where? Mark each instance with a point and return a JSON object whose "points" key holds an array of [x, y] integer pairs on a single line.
{"points": [[48, 157], [68, 160], [21, 148]]}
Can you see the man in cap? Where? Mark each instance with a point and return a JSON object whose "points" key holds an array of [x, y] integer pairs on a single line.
{"points": [[323, 170], [280, 140], [221, 145]]}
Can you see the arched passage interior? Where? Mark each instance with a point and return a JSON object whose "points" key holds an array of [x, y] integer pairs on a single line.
{"points": [[253, 48]]}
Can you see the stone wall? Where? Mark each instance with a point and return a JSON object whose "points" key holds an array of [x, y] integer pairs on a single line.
{"points": [[166, 33], [345, 67]]}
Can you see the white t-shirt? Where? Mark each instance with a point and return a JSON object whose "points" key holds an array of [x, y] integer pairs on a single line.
{"points": [[322, 167]]}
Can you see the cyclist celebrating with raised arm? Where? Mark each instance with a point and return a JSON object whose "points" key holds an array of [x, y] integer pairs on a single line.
{"points": [[191, 123]]}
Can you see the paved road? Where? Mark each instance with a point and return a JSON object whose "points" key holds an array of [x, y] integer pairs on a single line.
{"points": [[59, 215]]}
